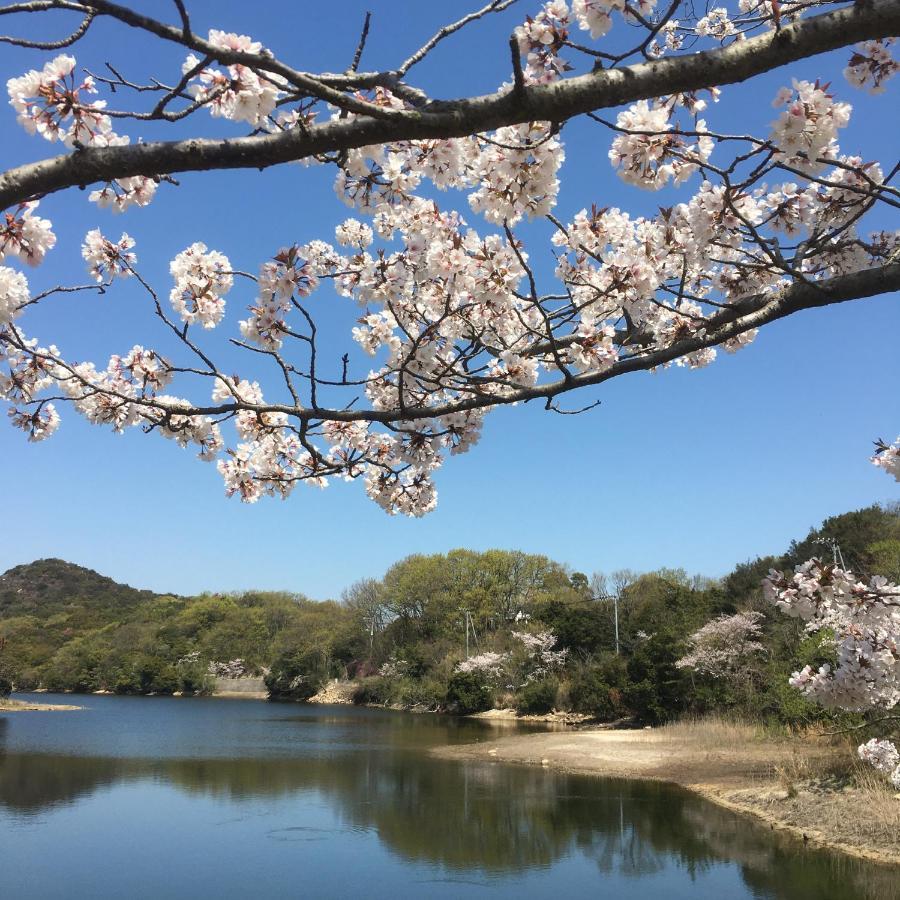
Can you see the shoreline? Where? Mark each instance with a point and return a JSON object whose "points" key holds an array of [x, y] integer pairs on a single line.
{"points": [[21, 706], [747, 777]]}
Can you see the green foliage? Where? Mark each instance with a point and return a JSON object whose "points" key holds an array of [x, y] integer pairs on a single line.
{"points": [[582, 627], [657, 691], [67, 628], [537, 697], [590, 693], [375, 691], [469, 692], [855, 532]]}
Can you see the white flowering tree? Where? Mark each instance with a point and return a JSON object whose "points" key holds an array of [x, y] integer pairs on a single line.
{"points": [[452, 313], [862, 617], [727, 647]]}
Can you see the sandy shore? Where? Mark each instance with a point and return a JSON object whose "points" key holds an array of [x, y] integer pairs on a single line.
{"points": [[765, 778], [19, 706]]}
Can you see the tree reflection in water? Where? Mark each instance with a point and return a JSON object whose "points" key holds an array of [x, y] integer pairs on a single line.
{"points": [[472, 818]]}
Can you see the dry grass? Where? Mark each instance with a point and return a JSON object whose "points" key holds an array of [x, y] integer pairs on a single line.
{"points": [[713, 733], [879, 798]]}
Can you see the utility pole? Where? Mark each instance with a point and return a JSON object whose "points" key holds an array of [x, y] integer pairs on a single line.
{"points": [[469, 624], [836, 554], [616, 619], [615, 602]]}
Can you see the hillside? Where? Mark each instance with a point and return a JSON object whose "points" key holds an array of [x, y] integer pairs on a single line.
{"points": [[48, 587], [67, 627]]}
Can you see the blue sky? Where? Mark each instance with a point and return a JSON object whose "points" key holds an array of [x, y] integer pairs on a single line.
{"points": [[693, 469]]}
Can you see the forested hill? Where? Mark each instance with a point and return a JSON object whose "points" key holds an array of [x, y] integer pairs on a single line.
{"points": [[49, 587]]}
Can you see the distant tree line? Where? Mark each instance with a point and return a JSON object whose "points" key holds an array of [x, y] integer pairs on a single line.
{"points": [[459, 632]]}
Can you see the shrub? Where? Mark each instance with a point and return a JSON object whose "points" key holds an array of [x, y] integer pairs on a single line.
{"points": [[6, 685], [469, 692], [430, 692], [537, 697], [372, 690], [296, 676], [589, 693]]}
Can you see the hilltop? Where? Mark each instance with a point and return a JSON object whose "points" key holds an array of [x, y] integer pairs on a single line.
{"points": [[47, 587]]}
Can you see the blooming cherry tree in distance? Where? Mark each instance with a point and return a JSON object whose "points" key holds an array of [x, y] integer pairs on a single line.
{"points": [[725, 647], [453, 320]]}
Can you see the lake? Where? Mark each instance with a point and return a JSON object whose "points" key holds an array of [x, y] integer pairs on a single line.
{"points": [[153, 797]]}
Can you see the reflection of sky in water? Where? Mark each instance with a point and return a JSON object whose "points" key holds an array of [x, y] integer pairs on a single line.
{"points": [[146, 797]]}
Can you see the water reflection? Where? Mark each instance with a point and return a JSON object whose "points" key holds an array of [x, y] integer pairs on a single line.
{"points": [[470, 818]]}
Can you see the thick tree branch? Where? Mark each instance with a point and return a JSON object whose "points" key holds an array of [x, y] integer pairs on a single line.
{"points": [[554, 102]]}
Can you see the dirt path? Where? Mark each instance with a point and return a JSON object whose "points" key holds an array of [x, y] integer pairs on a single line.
{"points": [[765, 778]]}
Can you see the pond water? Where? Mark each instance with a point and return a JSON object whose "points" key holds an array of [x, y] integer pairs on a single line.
{"points": [[162, 797]]}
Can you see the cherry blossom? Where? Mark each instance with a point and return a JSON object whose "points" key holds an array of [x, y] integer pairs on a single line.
{"points": [[715, 24], [864, 616], [887, 457], [884, 756], [452, 305], [488, 663], [726, 646], [871, 65], [808, 127], [14, 294], [39, 424], [26, 236], [122, 193], [647, 155], [238, 93], [201, 281], [49, 103], [542, 659], [106, 259]]}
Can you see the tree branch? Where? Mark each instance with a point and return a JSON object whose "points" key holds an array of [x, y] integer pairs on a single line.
{"points": [[554, 102]]}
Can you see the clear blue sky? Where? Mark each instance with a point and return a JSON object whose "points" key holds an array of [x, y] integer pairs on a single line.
{"points": [[693, 469]]}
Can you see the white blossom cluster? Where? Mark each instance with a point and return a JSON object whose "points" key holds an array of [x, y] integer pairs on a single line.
{"points": [[542, 659], [648, 155], [871, 65], [49, 103], [38, 423], [25, 236], [726, 646], [489, 663], [806, 131], [543, 36], [14, 294], [394, 668], [238, 93], [234, 668], [106, 258], [883, 756], [887, 457], [863, 616], [122, 193], [202, 278]]}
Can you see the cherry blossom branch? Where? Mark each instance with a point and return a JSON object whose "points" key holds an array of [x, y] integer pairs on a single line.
{"points": [[554, 102]]}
